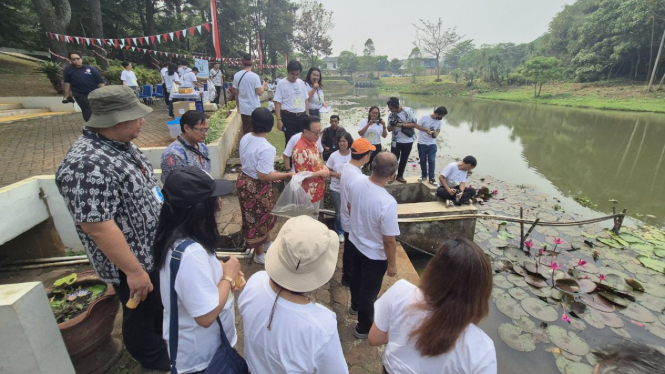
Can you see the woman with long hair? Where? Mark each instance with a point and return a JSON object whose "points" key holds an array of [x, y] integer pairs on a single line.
{"points": [[257, 158], [373, 129], [203, 285], [335, 163], [170, 78], [432, 328], [314, 84]]}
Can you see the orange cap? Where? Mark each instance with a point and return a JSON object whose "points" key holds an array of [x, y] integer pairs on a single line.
{"points": [[362, 145]]}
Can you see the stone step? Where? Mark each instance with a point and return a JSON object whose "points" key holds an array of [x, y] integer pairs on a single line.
{"points": [[233, 177], [31, 116], [10, 106], [21, 112], [229, 223]]}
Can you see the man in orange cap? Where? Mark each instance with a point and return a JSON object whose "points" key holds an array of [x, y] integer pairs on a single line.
{"points": [[361, 150]]}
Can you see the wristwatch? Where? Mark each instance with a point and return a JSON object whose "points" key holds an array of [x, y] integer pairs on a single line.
{"points": [[231, 281]]}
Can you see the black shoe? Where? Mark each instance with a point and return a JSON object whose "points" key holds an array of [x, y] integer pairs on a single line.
{"points": [[353, 312], [345, 283], [432, 181], [400, 179], [359, 335]]}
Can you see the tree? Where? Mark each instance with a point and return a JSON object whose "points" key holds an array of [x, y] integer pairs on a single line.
{"points": [[96, 29], [366, 63], [274, 19], [395, 65], [369, 48], [414, 64], [54, 16], [434, 40], [19, 25], [460, 49], [382, 63], [312, 27], [347, 62], [541, 70]]}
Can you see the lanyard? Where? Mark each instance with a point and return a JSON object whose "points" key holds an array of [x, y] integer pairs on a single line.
{"points": [[194, 150]]}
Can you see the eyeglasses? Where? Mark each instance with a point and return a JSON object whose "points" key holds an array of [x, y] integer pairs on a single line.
{"points": [[317, 133], [202, 131], [76, 58]]}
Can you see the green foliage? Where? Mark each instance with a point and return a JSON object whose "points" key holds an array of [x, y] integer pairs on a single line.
{"points": [[395, 65], [456, 53], [66, 281], [414, 64], [369, 48], [143, 75], [312, 27], [218, 122], [53, 72], [68, 299], [382, 63], [347, 62], [541, 70]]}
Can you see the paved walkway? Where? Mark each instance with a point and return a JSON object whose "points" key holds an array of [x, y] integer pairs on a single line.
{"points": [[37, 146]]}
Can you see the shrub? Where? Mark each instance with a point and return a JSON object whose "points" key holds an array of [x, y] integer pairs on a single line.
{"points": [[144, 76], [53, 72]]}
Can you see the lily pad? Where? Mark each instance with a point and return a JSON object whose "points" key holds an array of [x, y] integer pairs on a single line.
{"points": [[508, 306], [562, 362], [516, 339], [655, 304], [519, 270], [501, 281], [514, 254], [655, 290], [517, 280], [609, 319], [556, 294], [577, 307], [661, 318], [594, 321], [621, 332], [567, 340], [577, 324], [535, 281], [578, 368], [540, 309], [518, 293], [540, 292], [530, 266], [586, 285], [503, 266], [591, 358], [659, 252], [496, 292], [597, 303], [638, 313], [635, 268], [567, 284], [635, 285], [657, 330], [630, 238], [610, 243], [70, 279], [525, 323], [642, 248], [571, 357], [613, 299]]}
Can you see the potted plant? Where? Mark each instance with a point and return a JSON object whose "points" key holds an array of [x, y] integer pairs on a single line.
{"points": [[85, 308]]}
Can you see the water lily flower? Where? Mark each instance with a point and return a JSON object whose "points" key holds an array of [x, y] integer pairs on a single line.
{"points": [[495, 192], [71, 296], [528, 244], [602, 277], [555, 266], [82, 293], [581, 263], [558, 241], [565, 317]]}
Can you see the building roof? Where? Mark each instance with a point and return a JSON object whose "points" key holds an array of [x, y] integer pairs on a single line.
{"points": [[330, 59]]}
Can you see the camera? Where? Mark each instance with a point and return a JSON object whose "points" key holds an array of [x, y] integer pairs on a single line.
{"points": [[395, 121], [378, 120], [432, 130]]}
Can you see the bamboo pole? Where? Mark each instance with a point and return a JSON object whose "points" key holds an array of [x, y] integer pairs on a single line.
{"points": [[506, 218], [522, 238]]}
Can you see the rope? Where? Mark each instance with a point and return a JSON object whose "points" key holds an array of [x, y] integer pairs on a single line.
{"points": [[414, 247]]}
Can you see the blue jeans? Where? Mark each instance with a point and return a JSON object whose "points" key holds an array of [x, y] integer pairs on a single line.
{"points": [[337, 201], [427, 154]]}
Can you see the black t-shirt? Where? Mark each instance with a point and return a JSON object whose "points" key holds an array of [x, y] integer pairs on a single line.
{"points": [[83, 80]]}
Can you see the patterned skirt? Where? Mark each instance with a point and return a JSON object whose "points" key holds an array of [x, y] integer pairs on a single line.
{"points": [[256, 203]]}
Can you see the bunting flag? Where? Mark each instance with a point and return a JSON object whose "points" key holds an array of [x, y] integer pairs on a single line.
{"points": [[258, 46], [215, 31]]}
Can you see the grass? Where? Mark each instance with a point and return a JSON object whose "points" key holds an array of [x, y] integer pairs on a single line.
{"points": [[19, 79], [427, 85]]}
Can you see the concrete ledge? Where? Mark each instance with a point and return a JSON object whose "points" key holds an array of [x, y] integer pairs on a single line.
{"points": [[433, 208], [54, 103]]}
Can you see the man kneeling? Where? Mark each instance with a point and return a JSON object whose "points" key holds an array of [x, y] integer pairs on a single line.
{"points": [[452, 181]]}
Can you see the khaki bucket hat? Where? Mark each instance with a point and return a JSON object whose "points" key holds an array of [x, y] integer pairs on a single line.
{"points": [[303, 257], [112, 105]]}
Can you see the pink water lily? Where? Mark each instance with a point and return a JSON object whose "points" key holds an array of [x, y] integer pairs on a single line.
{"points": [[495, 192], [558, 241], [581, 263], [602, 277], [555, 266], [528, 244], [565, 317]]}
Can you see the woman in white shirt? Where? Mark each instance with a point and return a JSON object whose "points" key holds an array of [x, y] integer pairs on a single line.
{"points": [[257, 158], [314, 84], [171, 77], [286, 333], [128, 77], [432, 328], [335, 163], [373, 129], [203, 285]]}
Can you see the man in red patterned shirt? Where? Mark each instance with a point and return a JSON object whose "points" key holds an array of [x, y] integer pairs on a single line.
{"points": [[306, 157]]}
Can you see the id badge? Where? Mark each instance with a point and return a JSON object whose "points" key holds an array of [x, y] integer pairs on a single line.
{"points": [[393, 144], [297, 102], [157, 193]]}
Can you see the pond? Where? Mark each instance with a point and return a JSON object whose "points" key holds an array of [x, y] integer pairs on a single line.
{"points": [[563, 152], [541, 158]]}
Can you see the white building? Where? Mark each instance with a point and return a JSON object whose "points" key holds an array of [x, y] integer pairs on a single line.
{"points": [[331, 63]]}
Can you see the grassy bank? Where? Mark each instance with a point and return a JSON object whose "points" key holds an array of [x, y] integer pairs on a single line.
{"points": [[613, 95]]}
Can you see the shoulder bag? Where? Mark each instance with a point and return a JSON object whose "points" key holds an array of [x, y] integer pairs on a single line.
{"points": [[226, 359]]}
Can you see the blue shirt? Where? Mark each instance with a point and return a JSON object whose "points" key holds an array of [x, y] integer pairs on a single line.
{"points": [[182, 153], [83, 80]]}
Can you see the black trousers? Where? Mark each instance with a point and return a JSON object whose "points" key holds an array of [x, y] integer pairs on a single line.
{"points": [[142, 327], [366, 279], [347, 259], [402, 151], [374, 153], [82, 101], [219, 92], [293, 124], [466, 195]]}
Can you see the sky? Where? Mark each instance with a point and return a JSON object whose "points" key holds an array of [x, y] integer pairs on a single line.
{"points": [[390, 22]]}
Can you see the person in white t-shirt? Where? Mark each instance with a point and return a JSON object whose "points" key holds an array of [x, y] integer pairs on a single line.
{"points": [[335, 163], [288, 150], [291, 102], [128, 77], [373, 129], [402, 123], [162, 73], [190, 80], [427, 143], [452, 182], [373, 224], [271, 105], [183, 69], [314, 84], [203, 285], [432, 328], [257, 158], [216, 78], [171, 77], [284, 331], [361, 149], [247, 89]]}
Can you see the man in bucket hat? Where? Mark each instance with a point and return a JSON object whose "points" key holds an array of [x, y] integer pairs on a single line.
{"points": [[284, 331], [109, 188]]}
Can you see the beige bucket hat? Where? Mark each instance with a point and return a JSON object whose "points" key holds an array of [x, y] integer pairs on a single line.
{"points": [[303, 257], [112, 105]]}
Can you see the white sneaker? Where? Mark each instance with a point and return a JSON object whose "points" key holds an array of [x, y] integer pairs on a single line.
{"points": [[266, 246], [260, 259], [341, 238]]}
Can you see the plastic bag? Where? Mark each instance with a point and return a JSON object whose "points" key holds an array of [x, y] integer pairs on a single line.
{"points": [[294, 201]]}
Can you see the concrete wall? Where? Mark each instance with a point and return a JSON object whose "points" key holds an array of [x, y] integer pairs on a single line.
{"points": [[220, 151], [35, 102]]}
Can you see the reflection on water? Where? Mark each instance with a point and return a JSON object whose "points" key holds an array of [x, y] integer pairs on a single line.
{"points": [[564, 152]]}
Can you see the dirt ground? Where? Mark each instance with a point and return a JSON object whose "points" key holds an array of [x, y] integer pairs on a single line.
{"points": [[18, 78]]}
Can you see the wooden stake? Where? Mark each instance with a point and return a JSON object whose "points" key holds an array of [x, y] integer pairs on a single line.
{"points": [[521, 228], [532, 227]]}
